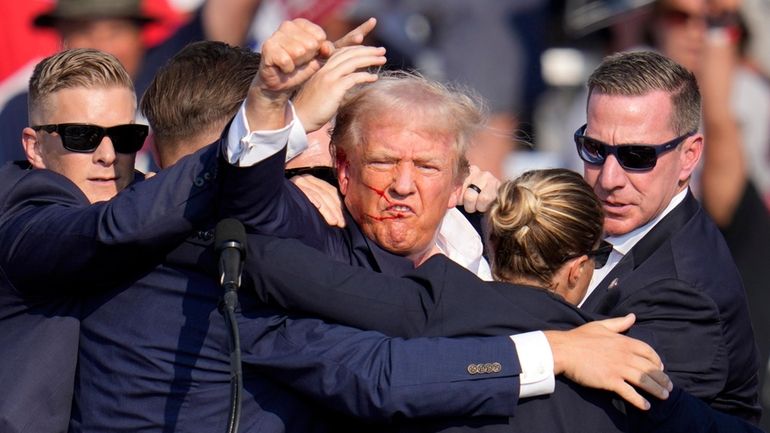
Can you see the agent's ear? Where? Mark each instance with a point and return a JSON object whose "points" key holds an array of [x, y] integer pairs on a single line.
{"points": [[32, 147], [691, 152]]}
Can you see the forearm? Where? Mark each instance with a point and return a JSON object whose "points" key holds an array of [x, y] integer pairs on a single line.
{"points": [[724, 168], [229, 20], [336, 291], [371, 376], [53, 234]]}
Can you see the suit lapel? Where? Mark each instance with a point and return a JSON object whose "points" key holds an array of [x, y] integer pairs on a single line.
{"points": [[605, 290], [651, 242]]}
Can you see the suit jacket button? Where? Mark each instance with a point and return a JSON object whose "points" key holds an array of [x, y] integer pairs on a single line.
{"points": [[473, 368], [496, 367], [198, 182]]}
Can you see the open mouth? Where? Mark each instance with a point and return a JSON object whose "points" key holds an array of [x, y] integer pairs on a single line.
{"points": [[398, 209], [393, 212]]}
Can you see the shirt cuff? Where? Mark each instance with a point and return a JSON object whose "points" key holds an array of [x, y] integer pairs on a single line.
{"points": [[246, 148], [297, 139], [536, 360]]}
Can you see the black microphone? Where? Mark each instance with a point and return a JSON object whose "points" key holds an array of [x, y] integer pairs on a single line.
{"points": [[230, 242]]}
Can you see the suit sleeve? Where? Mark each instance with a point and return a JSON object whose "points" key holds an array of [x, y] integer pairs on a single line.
{"points": [[682, 412], [336, 291], [368, 375], [683, 325], [439, 298], [50, 232], [272, 205]]}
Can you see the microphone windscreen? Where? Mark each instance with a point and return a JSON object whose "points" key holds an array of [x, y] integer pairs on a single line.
{"points": [[229, 230]]}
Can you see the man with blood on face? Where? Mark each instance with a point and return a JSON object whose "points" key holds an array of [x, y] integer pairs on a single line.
{"points": [[400, 153]]}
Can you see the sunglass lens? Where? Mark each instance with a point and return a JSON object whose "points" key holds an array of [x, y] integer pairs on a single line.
{"points": [[601, 259], [128, 138], [637, 157], [601, 255], [81, 138], [591, 151]]}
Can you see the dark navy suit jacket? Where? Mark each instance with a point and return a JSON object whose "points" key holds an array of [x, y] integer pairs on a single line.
{"points": [[163, 345], [685, 290], [681, 282], [153, 352], [442, 298], [39, 292]]}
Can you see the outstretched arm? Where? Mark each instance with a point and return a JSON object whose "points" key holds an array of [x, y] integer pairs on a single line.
{"points": [[50, 231], [596, 355], [371, 376], [426, 303]]}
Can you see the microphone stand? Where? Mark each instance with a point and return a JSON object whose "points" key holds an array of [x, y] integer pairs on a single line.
{"points": [[230, 241], [236, 372]]}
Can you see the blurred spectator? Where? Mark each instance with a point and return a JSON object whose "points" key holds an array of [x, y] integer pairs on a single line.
{"points": [[115, 27], [728, 191], [681, 29], [490, 46]]}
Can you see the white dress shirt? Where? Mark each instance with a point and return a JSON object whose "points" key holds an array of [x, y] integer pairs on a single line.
{"points": [[622, 244]]}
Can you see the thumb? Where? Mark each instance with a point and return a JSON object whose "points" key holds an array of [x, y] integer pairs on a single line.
{"points": [[619, 324], [326, 49]]}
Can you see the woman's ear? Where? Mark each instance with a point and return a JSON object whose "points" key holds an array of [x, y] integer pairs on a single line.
{"points": [[577, 267]]}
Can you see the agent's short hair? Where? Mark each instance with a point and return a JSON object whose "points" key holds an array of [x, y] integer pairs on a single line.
{"points": [[640, 72], [80, 67], [440, 108], [538, 220], [198, 91]]}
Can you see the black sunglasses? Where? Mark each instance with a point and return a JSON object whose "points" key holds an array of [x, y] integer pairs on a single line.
{"points": [[633, 157], [85, 138], [599, 255]]}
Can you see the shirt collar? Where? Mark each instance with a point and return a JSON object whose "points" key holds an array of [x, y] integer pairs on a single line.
{"points": [[458, 240], [624, 243]]}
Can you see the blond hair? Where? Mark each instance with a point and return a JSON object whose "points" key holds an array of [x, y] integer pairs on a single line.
{"points": [[540, 219], [80, 67], [440, 109]]}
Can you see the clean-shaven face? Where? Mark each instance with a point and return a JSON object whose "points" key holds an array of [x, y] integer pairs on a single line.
{"points": [[100, 174], [399, 184]]}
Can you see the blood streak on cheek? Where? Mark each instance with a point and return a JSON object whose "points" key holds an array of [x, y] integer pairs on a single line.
{"points": [[381, 193]]}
